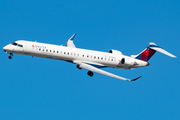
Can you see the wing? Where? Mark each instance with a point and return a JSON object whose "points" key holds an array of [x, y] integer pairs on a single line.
{"points": [[97, 70]]}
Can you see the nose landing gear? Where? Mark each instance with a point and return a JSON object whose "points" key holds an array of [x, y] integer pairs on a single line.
{"points": [[10, 57]]}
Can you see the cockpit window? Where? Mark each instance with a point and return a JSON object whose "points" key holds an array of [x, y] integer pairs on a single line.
{"points": [[15, 44], [20, 45]]}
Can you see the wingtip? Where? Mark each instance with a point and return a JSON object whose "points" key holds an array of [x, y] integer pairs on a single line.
{"points": [[73, 36], [136, 78], [174, 56]]}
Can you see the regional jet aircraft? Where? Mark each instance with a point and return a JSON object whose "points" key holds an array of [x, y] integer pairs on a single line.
{"points": [[90, 60]]}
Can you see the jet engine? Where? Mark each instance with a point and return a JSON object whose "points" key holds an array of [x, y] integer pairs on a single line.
{"points": [[125, 61], [115, 52]]}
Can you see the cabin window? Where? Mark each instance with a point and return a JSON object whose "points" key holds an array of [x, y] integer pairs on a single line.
{"points": [[68, 53], [74, 54], [50, 51], [57, 51], [94, 57], [43, 50], [111, 59], [101, 58], [47, 50], [98, 57], [87, 56], [39, 49], [82, 55], [64, 52]]}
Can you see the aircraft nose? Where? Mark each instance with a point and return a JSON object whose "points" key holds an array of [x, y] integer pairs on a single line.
{"points": [[5, 48]]}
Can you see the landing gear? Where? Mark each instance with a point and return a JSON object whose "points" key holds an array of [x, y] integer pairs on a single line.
{"points": [[90, 73], [10, 57], [78, 67]]}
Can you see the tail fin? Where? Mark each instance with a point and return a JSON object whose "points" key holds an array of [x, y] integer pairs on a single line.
{"points": [[149, 52]]}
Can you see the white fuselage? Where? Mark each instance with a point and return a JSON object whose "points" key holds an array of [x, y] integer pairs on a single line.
{"points": [[72, 54]]}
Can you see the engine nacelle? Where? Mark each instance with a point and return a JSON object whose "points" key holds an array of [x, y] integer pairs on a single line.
{"points": [[115, 52], [127, 62]]}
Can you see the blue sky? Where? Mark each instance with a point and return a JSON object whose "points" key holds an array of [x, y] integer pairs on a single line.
{"points": [[45, 89]]}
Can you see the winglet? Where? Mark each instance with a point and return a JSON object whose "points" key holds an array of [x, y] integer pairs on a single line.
{"points": [[70, 43], [135, 78], [72, 37]]}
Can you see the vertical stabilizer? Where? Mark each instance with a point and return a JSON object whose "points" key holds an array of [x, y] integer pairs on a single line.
{"points": [[146, 54]]}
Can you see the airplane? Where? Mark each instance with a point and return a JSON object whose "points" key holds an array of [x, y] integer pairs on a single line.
{"points": [[90, 60]]}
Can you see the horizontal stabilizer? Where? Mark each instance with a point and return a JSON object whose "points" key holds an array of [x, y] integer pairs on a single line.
{"points": [[157, 48]]}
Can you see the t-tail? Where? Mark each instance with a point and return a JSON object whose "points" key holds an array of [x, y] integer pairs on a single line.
{"points": [[146, 54]]}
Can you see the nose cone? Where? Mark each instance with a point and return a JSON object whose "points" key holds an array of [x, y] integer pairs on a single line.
{"points": [[5, 48]]}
